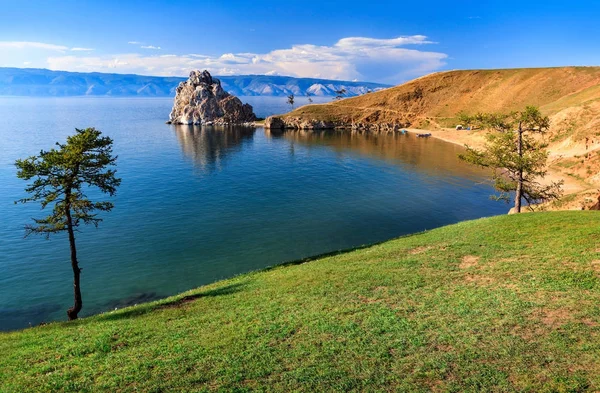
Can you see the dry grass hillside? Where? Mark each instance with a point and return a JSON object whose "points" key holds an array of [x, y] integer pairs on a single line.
{"points": [[438, 97], [569, 95]]}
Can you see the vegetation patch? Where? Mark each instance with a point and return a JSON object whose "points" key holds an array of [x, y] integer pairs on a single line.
{"points": [[468, 261], [503, 304]]}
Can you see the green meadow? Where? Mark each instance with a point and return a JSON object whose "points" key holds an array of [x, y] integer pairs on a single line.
{"points": [[508, 303]]}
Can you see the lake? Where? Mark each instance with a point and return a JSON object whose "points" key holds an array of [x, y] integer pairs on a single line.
{"points": [[200, 204]]}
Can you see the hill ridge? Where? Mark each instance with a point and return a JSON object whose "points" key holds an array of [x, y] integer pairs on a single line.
{"points": [[44, 82]]}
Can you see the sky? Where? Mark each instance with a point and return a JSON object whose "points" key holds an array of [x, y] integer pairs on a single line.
{"points": [[376, 41]]}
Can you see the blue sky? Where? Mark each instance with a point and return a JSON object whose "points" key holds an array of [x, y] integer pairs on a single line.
{"points": [[379, 41]]}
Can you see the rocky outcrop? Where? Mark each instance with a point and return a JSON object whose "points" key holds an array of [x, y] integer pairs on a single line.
{"points": [[280, 123], [274, 123], [202, 101], [380, 127], [596, 206]]}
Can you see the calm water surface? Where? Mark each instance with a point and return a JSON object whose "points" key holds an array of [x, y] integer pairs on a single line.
{"points": [[198, 205]]}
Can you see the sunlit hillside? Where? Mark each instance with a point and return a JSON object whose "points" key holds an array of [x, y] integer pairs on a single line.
{"points": [[569, 95]]}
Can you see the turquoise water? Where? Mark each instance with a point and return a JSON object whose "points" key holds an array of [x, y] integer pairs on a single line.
{"points": [[198, 205]]}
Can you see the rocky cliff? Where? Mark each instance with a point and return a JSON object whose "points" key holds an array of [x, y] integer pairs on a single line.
{"points": [[202, 100]]}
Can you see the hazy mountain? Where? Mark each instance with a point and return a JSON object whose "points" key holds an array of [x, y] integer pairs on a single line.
{"points": [[42, 82]]}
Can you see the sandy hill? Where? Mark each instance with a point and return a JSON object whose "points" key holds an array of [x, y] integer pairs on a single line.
{"points": [[439, 97], [569, 95]]}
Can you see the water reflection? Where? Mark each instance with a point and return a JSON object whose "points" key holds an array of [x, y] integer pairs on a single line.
{"points": [[428, 155], [208, 147], [259, 199]]}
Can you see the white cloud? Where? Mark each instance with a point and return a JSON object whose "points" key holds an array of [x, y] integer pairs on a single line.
{"points": [[116, 63], [363, 42], [143, 46], [26, 63], [32, 45], [352, 58]]}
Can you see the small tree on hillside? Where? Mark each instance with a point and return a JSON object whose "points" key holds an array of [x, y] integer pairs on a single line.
{"points": [[290, 100], [515, 156], [62, 176], [339, 94]]}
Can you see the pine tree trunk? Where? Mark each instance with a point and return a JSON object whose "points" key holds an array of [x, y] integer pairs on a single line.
{"points": [[78, 303], [519, 191], [519, 194]]}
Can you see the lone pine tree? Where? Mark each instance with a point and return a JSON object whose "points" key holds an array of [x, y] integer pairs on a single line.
{"points": [[516, 157], [61, 178], [290, 100]]}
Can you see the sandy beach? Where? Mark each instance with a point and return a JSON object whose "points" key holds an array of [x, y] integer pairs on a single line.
{"points": [[577, 193]]}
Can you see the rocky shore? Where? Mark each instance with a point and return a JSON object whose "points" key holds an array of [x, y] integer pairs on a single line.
{"points": [[202, 101], [281, 123]]}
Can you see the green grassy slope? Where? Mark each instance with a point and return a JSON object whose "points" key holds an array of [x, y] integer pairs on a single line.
{"points": [[510, 303]]}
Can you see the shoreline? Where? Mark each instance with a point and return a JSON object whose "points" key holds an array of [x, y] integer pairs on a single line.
{"points": [[268, 321], [476, 139], [577, 192]]}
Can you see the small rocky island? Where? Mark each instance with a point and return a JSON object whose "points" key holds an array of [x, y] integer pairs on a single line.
{"points": [[202, 101]]}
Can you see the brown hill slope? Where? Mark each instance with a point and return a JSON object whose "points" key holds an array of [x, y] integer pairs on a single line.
{"points": [[439, 97], [569, 95]]}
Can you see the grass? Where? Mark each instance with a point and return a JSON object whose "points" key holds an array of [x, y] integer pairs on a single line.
{"points": [[509, 303], [564, 201]]}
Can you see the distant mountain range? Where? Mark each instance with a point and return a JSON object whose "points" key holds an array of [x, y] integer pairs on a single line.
{"points": [[46, 83]]}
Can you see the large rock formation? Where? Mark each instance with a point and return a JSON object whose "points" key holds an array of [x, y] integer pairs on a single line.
{"points": [[202, 100]]}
